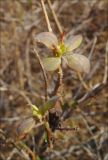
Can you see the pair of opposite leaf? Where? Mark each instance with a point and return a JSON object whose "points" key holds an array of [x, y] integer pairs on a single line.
{"points": [[63, 49], [28, 124]]}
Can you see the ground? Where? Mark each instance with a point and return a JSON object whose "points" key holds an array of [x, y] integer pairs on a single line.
{"points": [[21, 79]]}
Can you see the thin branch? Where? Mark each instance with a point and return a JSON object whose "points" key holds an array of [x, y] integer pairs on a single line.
{"points": [[93, 47], [58, 85], [46, 16], [59, 90], [67, 129], [27, 61], [28, 150], [106, 65], [82, 81], [55, 17], [49, 135], [93, 92], [44, 74]]}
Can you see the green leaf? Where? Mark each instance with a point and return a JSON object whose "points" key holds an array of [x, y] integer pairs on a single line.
{"points": [[49, 104], [26, 126], [30, 2], [73, 104], [73, 42], [36, 112], [47, 38], [78, 62], [38, 158], [51, 64]]}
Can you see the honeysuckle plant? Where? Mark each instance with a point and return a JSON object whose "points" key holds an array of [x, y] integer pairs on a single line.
{"points": [[63, 49]]}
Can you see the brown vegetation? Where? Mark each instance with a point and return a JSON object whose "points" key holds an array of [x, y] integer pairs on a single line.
{"points": [[22, 82]]}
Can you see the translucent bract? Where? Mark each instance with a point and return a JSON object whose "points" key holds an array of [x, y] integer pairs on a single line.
{"points": [[51, 64], [26, 126], [47, 38], [73, 42], [78, 63]]}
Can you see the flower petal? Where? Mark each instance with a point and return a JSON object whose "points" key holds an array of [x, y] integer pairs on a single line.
{"points": [[78, 62], [51, 64], [47, 38], [73, 42], [26, 126]]}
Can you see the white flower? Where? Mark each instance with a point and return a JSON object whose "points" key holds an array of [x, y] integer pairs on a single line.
{"points": [[64, 49]]}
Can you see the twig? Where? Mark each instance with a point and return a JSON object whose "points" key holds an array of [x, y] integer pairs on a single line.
{"points": [[15, 151], [93, 47], [9, 119], [55, 17], [60, 76], [49, 135], [93, 71], [46, 16], [27, 61], [28, 150], [58, 85], [106, 65], [67, 129], [44, 74], [82, 81], [93, 92]]}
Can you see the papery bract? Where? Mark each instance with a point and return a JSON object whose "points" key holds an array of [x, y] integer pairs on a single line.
{"points": [[73, 42], [51, 64], [26, 126], [47, 38], [78, 62]]}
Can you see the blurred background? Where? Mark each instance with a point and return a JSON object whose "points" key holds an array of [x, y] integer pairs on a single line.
{"points": [[21, 79]]}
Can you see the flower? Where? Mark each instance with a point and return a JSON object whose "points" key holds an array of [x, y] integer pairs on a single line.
{"points": [[63, 49]]}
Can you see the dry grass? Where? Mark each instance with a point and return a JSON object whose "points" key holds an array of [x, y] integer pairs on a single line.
{"points": [[21, 80]]}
